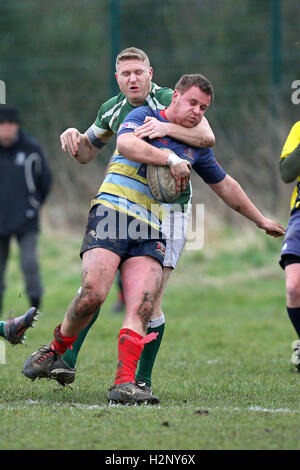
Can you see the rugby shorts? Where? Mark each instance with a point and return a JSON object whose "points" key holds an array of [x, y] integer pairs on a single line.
{"points": [[115, 231], [174, 227], [290, 250]]}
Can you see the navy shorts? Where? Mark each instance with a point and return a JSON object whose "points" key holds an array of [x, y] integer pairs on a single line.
{"points": [[122, 234], [290, 250]]}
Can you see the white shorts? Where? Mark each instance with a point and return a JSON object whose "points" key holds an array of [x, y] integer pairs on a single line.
{"points": [[175, 226]]}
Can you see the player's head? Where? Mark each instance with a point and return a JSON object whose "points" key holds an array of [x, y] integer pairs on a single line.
{"points": [[132, 53], [9, 124], [195, 79], [134, 74], [192, 97]]}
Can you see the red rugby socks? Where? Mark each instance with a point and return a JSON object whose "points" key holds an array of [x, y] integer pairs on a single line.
{"points": [[61, 343], [130, 347]]}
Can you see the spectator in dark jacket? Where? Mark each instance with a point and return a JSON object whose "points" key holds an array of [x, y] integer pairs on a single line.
{"points": [[25, 180]]}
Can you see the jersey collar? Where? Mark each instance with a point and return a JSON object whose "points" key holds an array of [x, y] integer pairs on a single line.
{"points": [[162, 112]]}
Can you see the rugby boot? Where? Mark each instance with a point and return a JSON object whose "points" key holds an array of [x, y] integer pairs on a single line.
{"points": [[61, 372], [295, 359], [39, 363], [14, 328], [130, 393], [144, 386]]}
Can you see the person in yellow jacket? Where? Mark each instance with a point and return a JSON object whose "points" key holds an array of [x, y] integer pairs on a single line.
{"points": [[289, 167]]}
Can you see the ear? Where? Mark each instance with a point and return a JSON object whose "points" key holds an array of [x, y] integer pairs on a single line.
{"points": [[116, 77], [151, 72], [175, 96]]}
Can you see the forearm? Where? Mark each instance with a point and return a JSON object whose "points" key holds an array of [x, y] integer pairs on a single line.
{"points": [[86, 151], [198, 136], [234, 196], [289, 167], [137, 150]]}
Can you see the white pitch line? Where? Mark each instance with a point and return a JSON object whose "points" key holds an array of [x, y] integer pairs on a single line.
{"points": [[83, 406], [266, 410]]}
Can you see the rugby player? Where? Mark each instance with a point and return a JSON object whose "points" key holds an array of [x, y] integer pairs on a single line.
{"points": [[134, 76], [290, 253]]}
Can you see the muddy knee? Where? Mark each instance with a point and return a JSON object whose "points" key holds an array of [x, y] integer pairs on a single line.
{"points": [[87, 302], [145, 309]]}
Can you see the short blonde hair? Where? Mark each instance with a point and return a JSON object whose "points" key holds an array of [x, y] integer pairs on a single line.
{"points": [[131, 53]]}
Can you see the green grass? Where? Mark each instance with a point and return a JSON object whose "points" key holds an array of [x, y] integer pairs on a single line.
{"points": [[223, 373]]}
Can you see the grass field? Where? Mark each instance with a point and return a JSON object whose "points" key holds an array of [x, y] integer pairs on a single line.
{"points": [[223, 373]]}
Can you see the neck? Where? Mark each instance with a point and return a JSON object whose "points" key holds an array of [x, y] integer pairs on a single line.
{"points": [[137, 103], [170, 115]]}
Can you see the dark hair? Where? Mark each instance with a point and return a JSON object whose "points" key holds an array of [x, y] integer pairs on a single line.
{"points": [[195, 79]]}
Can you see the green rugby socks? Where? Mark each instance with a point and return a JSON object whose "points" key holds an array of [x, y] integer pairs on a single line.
{"points": [[70, 356], [148, 356]]}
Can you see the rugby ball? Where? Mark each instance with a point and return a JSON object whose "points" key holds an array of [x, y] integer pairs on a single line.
{"points": [[161, 182]]}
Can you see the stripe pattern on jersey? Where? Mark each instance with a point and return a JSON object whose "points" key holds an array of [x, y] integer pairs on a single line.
{"points": [[125, 189]]}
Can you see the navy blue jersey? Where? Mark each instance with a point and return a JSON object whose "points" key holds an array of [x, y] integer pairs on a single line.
{"points": [[203, 160]]}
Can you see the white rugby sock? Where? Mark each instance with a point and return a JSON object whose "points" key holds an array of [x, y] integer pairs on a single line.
{"points": [[156, 322]]}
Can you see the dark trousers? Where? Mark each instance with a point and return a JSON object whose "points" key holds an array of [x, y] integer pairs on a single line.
{"points": [[29, 264]]}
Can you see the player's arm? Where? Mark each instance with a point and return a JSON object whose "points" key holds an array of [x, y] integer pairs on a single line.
{"points": [[289, 166], [78, 145], [198, 136], [137, 150], [85, 147], [233, 195]]}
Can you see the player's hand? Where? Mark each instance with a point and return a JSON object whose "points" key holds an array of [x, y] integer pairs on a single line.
{"points": [[152, 128], [182, 174], [274, 229], [70, 140]]}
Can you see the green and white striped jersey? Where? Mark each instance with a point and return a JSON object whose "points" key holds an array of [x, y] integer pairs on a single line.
{"points": [[113, 112]]}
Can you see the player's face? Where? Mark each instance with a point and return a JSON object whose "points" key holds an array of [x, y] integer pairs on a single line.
{"points": [[134, 80], [190, 107], [8, 133]]}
